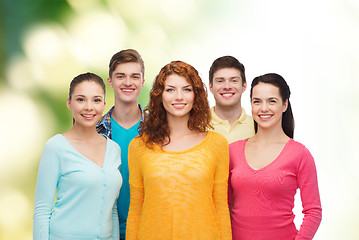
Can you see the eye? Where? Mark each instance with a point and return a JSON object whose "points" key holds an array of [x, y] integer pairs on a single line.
{"points": [[272, 101], [98, 100], [80, 99], [136, 77], [187, 89], [120, 76], [255, 101], [169, 90]]}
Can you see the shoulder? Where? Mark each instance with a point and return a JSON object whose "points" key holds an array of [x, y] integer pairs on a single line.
{"points": [[137, 142], [245, 117], [55, 142], [112, 144], [216, 142], [217, 137], [238, 143], [297, 147], [106, 119]]}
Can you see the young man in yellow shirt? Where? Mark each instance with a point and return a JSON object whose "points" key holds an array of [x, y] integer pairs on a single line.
{"points": [[227, 82]]}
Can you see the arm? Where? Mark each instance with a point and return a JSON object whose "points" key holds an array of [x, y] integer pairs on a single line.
{"points": [[47, 178], [134, 213], [309, 192], [115, 224], [136, 191], [220, 191]]}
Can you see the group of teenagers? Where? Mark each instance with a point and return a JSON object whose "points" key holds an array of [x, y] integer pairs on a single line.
{"points": [[176, 169]]}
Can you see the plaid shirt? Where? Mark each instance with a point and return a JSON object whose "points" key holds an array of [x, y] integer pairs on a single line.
{"points": [[104, 125]]}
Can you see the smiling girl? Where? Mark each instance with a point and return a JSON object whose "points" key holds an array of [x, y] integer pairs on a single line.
{"points": [[178, 169], [267, 169], [81, 168]]}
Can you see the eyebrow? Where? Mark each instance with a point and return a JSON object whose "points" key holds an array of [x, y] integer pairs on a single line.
{"points": [[237, 77], [189, 85], [270, 98], [80, 95], [120, 73]]}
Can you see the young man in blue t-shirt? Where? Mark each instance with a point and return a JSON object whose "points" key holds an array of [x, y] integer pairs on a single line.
{"points": [[121, 122]]}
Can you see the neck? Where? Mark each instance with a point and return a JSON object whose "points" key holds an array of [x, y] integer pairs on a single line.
{"points": [[178, 125], [231, 114], [274, 134], [83, 133], [126, 114]]}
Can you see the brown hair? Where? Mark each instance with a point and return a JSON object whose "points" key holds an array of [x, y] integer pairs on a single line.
{"points": [[126, 56], [91, 77], [155, 129], [86, 77], [226, 62]]}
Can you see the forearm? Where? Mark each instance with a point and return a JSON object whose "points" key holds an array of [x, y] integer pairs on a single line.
{"points": [[221, 204], [134, 213]]}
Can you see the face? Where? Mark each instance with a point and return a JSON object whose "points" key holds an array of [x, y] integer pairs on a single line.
{"points": [[87, 103], [177, 97], [267, 106], [127, 81], [227, 87]]}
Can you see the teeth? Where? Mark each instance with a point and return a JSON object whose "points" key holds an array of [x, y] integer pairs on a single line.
{"points": [[265, 116], [179, 105], [127, 90], [88, 116], [227, 94]]}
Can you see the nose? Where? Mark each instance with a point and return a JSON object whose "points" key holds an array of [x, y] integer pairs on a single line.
{"points": [[127, 81], [227, 84], [264, 107], [88, 105], [179, 95]]}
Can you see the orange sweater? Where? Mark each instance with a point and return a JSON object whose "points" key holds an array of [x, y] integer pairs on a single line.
{"points": [[179, 194]]}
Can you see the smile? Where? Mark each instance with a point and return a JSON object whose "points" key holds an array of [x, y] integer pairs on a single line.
{"points": [[88, 116], [127, 90], [179, 105], [227, 95], [265, 117]]}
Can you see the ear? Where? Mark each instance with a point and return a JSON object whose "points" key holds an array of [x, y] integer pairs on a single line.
{"points": [[210, 87], [143, 82], [68, 104], [244, 87], [285, 105], [109, 82]]}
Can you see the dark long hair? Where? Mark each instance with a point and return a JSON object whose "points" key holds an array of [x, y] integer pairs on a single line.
{"points": [[284, 91], [155, 129]]}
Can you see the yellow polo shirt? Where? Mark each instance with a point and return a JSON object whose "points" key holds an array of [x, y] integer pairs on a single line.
{"points": [[242, 128]]}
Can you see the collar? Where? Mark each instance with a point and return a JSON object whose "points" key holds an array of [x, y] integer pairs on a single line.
{"points": [[218, 120], [104, 125]]}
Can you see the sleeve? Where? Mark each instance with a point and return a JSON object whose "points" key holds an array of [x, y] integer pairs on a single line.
{"points": [[220, 190], [136, 190], [47, 178], [115, 223], [309, 192]]}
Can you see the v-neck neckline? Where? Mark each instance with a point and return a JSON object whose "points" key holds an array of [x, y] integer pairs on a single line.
{"points": [[269, 164], [83, 156]]}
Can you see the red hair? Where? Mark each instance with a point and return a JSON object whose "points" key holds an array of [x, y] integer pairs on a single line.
{"points": [[155, 129]]}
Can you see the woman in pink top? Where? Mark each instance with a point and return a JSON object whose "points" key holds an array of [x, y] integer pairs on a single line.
{"points": [[267, 169]]}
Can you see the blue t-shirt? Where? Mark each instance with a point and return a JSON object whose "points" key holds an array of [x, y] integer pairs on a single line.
{"points": [[123, 137]]}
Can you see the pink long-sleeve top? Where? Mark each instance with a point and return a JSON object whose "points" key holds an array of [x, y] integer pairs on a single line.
{"points": [[262, 200]]}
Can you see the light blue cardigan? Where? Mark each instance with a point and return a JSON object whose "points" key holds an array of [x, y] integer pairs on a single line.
{"points": [[85, 206]]}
